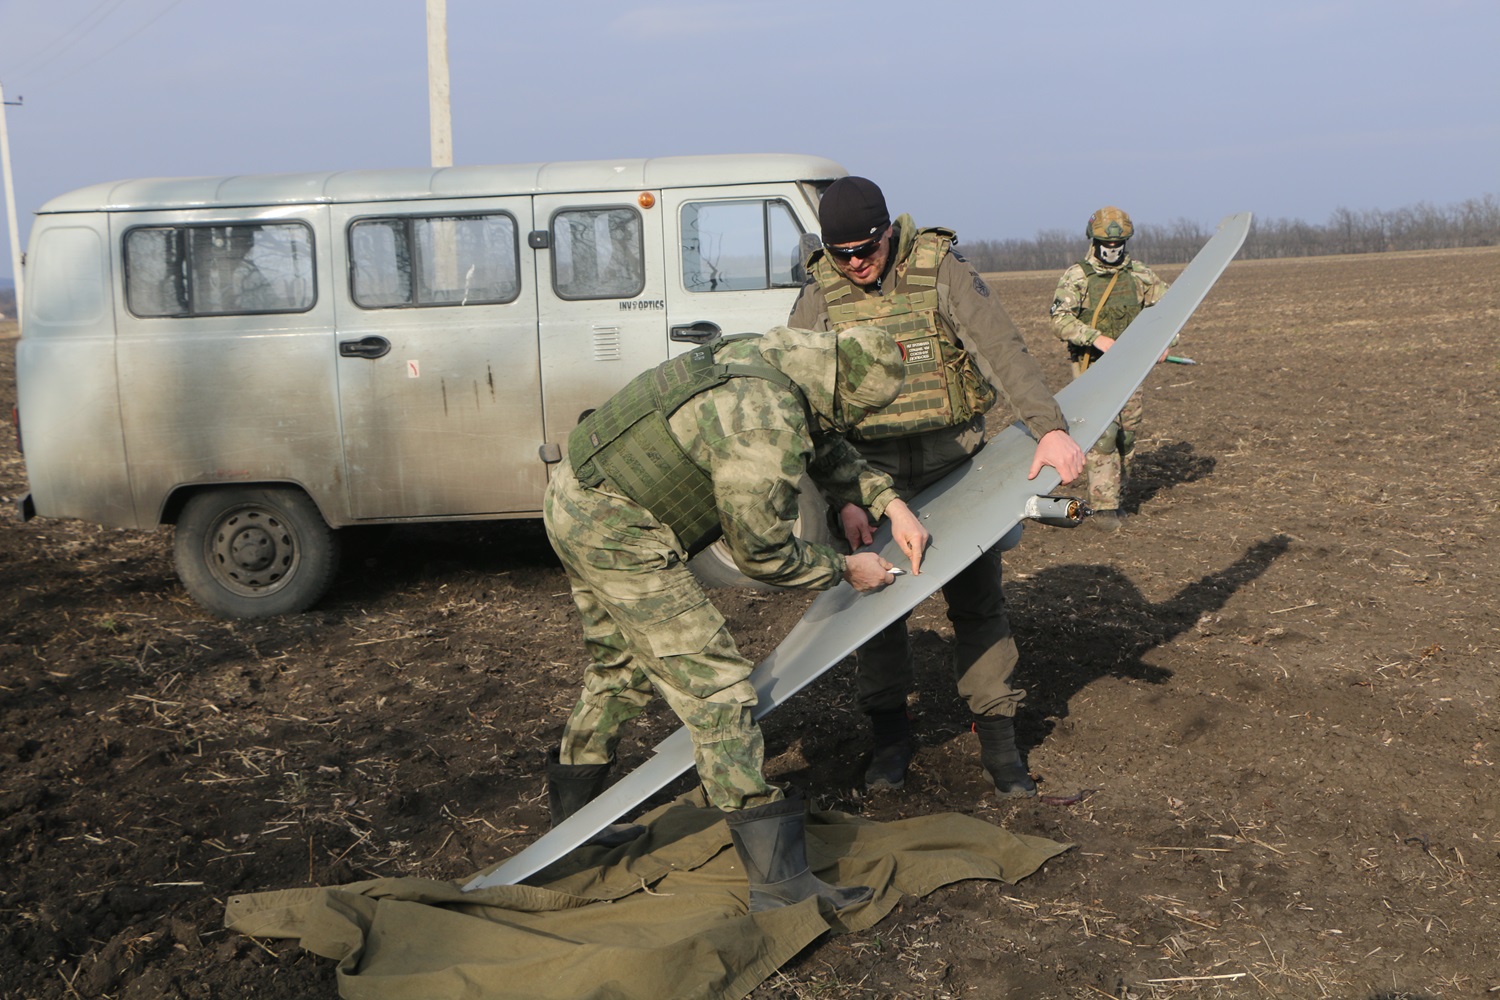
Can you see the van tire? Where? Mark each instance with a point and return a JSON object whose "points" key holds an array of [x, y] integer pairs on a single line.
{"points": [[715, 567], [254, 552]]}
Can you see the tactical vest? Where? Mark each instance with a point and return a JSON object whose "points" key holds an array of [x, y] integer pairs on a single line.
{"points": [[627, 441], [1122, 305], [943, 388]]}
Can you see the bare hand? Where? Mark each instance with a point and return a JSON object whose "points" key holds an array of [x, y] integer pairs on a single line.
{"points": [[1059, 451], [856, 524], [1103, 343], [866, 571], [909, 533]]}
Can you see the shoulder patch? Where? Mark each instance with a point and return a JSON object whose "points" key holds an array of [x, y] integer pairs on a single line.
{"points": [[979, 285]]}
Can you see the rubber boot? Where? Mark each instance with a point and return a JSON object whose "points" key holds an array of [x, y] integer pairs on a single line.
{"points": [[570, 787], [893, 749], [1001, 760], [771, 841]]}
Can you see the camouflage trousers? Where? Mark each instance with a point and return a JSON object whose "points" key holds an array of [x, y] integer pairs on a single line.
{"points": [[984, 650], [649, 628], [1108, 461]]}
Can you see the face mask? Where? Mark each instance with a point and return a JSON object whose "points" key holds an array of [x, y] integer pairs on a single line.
{"points": [[1109, 253]]}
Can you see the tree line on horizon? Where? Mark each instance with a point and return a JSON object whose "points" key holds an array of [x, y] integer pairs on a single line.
{"points": [[1471, 223]]}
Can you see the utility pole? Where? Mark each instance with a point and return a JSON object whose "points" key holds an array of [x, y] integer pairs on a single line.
{"points": [[10, 200], [439, 105]]}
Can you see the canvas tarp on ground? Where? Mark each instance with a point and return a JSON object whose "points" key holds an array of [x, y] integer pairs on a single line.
{"points": [[664, 916]]}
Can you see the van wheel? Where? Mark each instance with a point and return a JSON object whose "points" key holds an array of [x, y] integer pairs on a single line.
{"points": [[249, 552], [714, 566]]}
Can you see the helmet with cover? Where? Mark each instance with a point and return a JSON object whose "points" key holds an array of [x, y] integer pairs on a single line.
{"points": [[1110, 224]]}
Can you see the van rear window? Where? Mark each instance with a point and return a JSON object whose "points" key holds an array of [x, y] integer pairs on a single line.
{"points": [[448, 260], [219, 270]]}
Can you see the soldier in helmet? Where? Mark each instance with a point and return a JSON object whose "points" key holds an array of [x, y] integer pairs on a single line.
{"points": [[713, 443], [1095, 301], [962, 354]]}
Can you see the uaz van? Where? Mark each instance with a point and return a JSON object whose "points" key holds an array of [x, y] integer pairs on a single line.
{"points": [[261, 360]]}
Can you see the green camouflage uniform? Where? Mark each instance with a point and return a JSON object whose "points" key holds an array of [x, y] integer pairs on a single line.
{"points": [[928, 282], [647, 624], [1081, 287]]}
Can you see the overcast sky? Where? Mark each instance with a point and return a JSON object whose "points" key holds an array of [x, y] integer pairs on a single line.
{"points": [[999, 118]]}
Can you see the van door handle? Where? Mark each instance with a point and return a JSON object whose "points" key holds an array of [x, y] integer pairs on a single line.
{"points": [[365, 347], [700, 332]]}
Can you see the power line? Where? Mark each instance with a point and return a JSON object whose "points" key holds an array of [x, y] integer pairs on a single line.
{"points": [[161, 14], [71, 36], [48, 57]]}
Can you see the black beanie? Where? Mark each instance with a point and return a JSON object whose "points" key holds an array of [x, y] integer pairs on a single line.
{"points": [[852, 210]]}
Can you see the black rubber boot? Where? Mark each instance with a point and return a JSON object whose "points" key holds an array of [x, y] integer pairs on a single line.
{"points": [[893, 749], [570, 787], [772, 844], [1001, 759]]}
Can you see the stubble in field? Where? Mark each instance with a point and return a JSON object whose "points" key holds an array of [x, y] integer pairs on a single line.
{"points": [[1276, 684]]}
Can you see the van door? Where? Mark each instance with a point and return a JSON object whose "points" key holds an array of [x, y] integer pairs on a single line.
{"points": [[737, 265], [602, 311], [439, 375], [67, 377], [225, 352]]}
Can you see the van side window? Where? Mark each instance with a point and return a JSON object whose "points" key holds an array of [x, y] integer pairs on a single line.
{"points": [[446, 260], [219, 270], [730, 246], [598, 253]]}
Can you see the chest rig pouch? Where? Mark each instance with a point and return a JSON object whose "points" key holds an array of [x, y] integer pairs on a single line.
{"points": [[628, 444], [1116, 299], [943, 388]]}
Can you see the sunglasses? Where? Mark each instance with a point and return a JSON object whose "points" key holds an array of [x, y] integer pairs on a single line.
{"points": [[863, 251]]}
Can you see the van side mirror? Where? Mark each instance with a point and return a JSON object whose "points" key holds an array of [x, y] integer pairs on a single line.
{"points": [[807, 245]]}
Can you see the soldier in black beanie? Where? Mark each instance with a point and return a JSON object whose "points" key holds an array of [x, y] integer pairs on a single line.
{"points": [[962, 354]]}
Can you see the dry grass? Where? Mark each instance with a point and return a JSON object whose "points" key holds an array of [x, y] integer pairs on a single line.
{"points": [[1279, 677]]}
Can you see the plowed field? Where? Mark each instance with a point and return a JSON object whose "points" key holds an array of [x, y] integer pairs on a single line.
{"points": [[1277, 681]]}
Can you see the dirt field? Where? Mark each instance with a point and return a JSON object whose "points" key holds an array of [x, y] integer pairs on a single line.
{"points": [[1278, 682]]}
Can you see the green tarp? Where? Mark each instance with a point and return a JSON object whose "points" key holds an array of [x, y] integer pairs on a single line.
{"points": [[664, 916]]}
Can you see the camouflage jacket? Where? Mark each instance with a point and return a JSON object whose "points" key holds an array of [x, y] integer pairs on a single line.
{"points": [[977, 320], [753, 438], [1071, 304]]}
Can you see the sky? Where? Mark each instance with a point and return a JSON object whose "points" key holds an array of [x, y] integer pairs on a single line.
{"points": [[996, 118]]}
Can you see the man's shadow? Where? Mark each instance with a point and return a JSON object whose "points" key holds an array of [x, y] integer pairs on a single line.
{"points": [[1162, 468], [1077, 623]]}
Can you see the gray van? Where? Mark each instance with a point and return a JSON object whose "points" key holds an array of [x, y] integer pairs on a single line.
{"points": [[261, 360]]}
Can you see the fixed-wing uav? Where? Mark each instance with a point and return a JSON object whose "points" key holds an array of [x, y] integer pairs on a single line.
{"points": [[966, 512]]}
